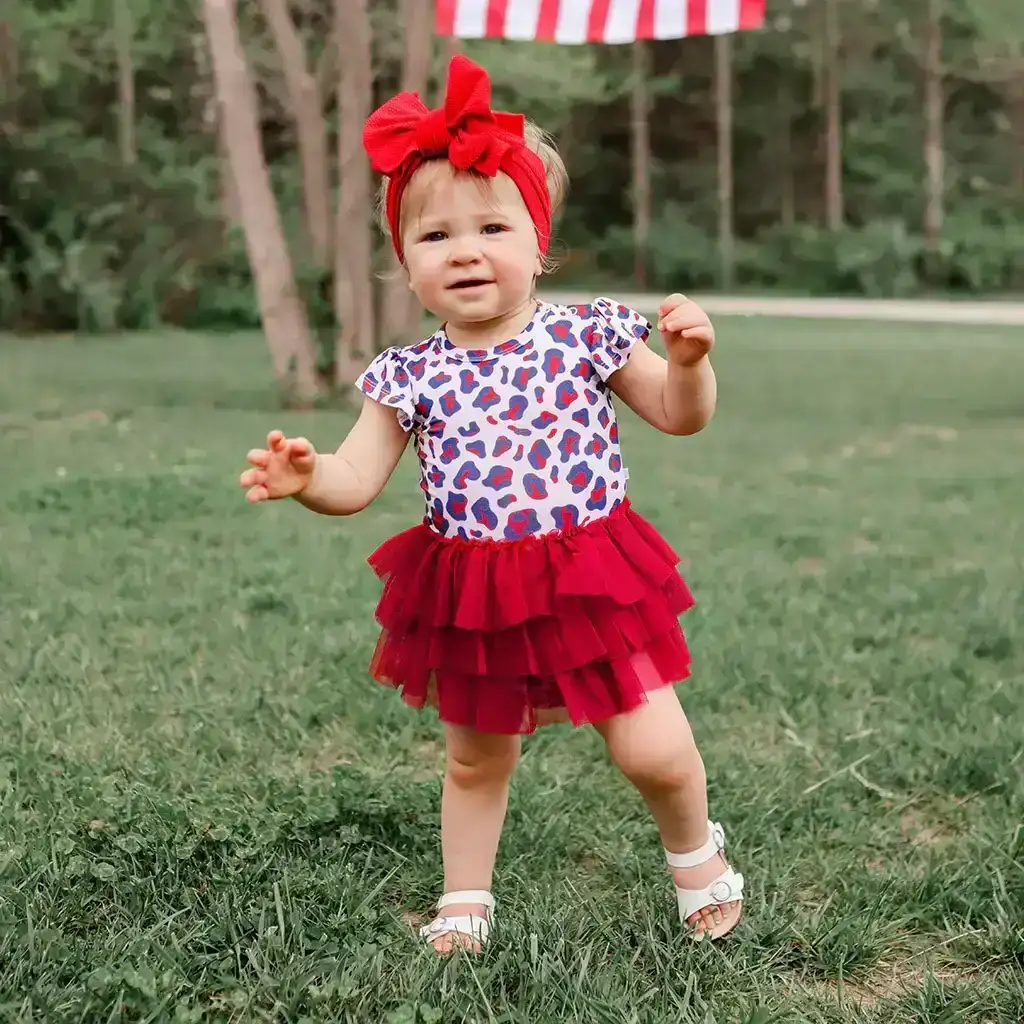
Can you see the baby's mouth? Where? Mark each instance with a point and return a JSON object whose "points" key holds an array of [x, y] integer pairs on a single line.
{"points": [[470, 282]]}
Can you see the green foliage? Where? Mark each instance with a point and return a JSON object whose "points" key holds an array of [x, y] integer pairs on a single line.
{"points": [[209, 812], [880, 260], [678, 251], [88, 242]]}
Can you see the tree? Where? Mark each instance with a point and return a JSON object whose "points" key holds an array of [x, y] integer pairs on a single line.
{"points": [[724, 121], [640, 157], [282, 313], [400, 313], [306, 108], [353, 275], [124, 33], [934, 133], [832, 99], [119, 208], [998, 59]]}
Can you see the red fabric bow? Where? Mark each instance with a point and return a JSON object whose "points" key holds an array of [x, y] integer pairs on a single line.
{"points": [[402, 134]]}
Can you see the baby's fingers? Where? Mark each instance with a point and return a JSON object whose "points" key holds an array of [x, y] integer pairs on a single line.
{"points": [[258, 457], [276, 441], [669, 303], [703, 334], [256, 482], [252, 477], [685, 318], [302, 455]]}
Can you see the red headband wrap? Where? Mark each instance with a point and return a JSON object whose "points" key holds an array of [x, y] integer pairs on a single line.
{"points": [[403, 134]]}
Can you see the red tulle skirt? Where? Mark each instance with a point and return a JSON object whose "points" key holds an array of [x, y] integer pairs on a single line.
{"points": [[503, 636]]}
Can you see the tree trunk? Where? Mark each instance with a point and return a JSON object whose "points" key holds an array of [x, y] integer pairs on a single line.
{"points": [[8, 54], [306, 108], [934, 123], [230, 202], [213, 125], [353, 275], [640, 156], [401, 310], [282, 314], [834, 213], [124, 36], [723, 118], [1015, 111], [782, 155], [452, 46]]}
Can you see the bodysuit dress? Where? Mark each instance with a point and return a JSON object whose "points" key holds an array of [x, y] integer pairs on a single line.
{"points": [[532, 591]]}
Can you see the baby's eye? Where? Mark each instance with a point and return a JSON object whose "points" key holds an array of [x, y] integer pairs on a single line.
{"points": [[493, 229], [434, 236]]}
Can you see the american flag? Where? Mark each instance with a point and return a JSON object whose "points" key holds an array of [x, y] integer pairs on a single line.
{"points": [[594, 21]]}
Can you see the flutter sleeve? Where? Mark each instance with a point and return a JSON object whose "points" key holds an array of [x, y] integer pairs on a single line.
{"points": [[618, 328], [386, 380]]}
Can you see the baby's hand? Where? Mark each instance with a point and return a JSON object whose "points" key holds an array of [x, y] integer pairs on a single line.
{"points": [[685, 329], [282, 469]]}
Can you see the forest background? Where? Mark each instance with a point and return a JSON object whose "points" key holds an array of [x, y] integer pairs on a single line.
{"points": [[199, 165]]}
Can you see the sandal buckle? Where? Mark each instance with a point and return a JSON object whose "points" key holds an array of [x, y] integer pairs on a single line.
{"points": [[721, 891]]}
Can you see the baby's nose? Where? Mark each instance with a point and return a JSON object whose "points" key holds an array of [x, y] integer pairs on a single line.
{"points": [[464, 250]]}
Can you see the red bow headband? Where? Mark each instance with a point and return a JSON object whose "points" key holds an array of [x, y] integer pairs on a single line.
{"points": [[403, 134]]}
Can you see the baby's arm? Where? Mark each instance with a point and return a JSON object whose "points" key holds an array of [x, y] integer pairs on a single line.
{"points": [[675, 395], [671, 396], [348, 480]]}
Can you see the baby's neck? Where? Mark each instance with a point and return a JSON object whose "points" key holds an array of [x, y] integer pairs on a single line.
{"points": [[488, 333]]}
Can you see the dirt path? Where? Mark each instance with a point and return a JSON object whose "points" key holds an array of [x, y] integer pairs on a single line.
{"points": [[906, 310]]}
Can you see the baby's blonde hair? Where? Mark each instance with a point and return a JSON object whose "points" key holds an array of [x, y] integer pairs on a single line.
{"points": [[554, 171]]}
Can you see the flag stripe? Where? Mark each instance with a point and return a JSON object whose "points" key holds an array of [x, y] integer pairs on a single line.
{"points": [[494, 21], [444, 17], [470, 18], [696, 17], [521, 17], [594, 21], [645, 20], [571, 23], [598, 20], [723, 16], [547, 20], [621, 23], [669, 19], [751, 14]]}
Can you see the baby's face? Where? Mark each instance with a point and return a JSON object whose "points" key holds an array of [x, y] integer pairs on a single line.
{"points": [[470, 245]]}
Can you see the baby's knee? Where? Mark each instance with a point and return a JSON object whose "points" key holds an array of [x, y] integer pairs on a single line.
{"points": [[672, 764], [470, 764]]}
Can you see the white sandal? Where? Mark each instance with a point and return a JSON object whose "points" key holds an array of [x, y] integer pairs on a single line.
{"points": [[471, 925], [726, 888]]}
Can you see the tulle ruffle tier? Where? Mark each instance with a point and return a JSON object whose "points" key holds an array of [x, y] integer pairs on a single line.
{"points": [[503, 636]]}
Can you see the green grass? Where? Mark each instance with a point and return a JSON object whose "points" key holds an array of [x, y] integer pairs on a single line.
{"points": [[208, 812]]}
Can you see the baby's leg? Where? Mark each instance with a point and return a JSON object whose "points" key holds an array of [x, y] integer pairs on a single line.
{"points": [[478, 770], [654, 748]]}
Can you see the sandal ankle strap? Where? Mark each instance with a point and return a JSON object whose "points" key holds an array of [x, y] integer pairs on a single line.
{"points": [[481, 896], [715, 844]]}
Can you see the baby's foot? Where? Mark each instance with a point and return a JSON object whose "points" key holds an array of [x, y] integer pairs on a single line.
{"points": [[446, 941], [714, 920]]}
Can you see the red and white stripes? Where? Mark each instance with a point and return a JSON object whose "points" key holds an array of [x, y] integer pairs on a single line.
{"points": [[595, 21]]}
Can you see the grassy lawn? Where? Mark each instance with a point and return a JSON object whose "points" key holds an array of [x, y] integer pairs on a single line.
{"points": [[208, 812]]}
